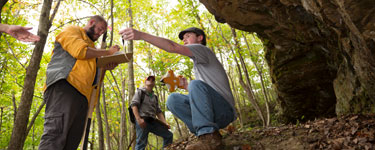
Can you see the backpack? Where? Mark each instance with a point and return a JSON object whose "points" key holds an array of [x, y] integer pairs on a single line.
{"points": [[131, 114]]}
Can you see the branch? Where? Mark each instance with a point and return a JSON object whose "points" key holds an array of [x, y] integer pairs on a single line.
{"points": [[91, 6], [110, 43], [15, 57], [54, 13], [118, 87], [15, 107], [113, 88], [34, 117], [69, 22]]}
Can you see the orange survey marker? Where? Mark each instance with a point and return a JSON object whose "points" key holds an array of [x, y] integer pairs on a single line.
{"points": [[172, 81]]}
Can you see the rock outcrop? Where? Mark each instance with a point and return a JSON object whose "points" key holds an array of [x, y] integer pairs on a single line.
{"points": [[321, 53]]}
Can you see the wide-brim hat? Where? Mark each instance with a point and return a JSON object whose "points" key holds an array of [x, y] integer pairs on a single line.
{"points": [[194, 30]]}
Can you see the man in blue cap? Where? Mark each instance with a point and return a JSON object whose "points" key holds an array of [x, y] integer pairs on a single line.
{"points": [[209, 106]]}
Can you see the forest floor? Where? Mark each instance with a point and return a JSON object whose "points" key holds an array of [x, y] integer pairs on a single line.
{"points": [[351, 132]]}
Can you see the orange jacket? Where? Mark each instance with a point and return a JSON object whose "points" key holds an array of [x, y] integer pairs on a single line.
{"points": [[68, 61]]}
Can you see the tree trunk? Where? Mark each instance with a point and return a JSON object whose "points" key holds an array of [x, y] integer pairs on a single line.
{"points": [[123, 125], [236, 99], [33, 136], [250, 89], [106, 120], [2, 3], [1, 118], [118, 94], [178, 126], [34, 117], [260, 73], [118, 97], [19, 129], [100, 126], [97, 111], [131, 70], [247, 88], [14, 107], [92, 134]]}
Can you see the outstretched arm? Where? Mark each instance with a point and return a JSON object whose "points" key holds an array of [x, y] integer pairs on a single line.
{"points": [[162, 43], [19, 32]]}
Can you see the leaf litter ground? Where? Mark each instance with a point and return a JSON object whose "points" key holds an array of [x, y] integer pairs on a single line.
{"points": [[351, 132]]}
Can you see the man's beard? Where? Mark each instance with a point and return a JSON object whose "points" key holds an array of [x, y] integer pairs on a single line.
{"points": [[91, 32]]}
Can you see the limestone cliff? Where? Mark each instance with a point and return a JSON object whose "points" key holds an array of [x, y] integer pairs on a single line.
{"points": [[321, 53]]}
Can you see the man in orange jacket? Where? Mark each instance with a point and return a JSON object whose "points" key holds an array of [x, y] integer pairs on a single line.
{"points": [[71, 74]]}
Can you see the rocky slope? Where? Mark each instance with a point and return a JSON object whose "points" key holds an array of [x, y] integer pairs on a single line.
{"points": [[320, 52]]}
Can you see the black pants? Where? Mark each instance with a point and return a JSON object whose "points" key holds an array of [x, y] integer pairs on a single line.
{"points": [[65, 115]]}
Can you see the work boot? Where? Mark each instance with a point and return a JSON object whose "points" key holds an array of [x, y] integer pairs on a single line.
{"points": [[210, 141]]}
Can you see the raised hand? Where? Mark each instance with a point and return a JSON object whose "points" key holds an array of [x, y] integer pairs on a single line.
{"points": [[130, 34], [22, 33], [183, 83]]}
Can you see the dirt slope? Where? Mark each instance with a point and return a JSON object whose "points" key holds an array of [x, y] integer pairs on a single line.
{"points": [[348, 132]]}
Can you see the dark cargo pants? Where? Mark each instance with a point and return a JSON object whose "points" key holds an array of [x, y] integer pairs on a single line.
{"points": [[65, 115]]}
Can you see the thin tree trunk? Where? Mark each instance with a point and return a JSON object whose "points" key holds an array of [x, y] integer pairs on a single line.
{"points": [[97, 111], [123, 125], [92, 134], [19, 129], [118, 95], [14, 107], [1, 119], [106, 119], [3, 66], [199, 20], [111, 23], [247, 88], [131, 69], [31, 124], [2, 3], [260, 73], [243, 65], [178, 126], [236, 99], [33, 136], [100, 126], [157, 141]]}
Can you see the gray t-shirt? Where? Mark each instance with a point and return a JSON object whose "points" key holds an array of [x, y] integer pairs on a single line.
{"points": [[207, 68]]}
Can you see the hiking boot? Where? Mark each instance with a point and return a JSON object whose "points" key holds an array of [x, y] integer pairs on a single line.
{"points": [[210, 141]]}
